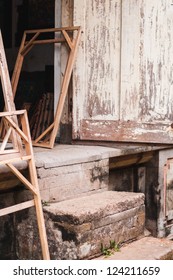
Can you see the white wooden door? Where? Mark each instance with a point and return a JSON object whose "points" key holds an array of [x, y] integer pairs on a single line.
{"points": [[123, 78]]}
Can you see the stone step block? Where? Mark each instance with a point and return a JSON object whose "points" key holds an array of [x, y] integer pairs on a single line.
{"points": [[77, 227]]}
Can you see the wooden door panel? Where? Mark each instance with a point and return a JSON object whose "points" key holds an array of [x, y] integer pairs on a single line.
{"points": [[96, 75], [146, 64], [123, 88]]}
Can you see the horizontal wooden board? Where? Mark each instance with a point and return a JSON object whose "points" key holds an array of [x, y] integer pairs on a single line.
{"points": [[125, 131]]}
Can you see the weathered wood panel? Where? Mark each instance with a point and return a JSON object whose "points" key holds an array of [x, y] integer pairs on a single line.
{"points": [[126, 131], [96, 80], [169, 190], [130, 59], [147, 69], [123, 76]]}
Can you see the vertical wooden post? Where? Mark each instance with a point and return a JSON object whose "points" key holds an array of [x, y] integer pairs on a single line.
{"points": [[37, 198]]}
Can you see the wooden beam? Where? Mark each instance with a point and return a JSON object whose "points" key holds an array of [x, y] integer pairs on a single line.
{"points": [[29, 44], [12, 113], [70, 43], [22, 178], [5, 140], [44, 133], [48, 41], [18, 130], [10, 151], [48, 30], [16, 208], [10, 157], [18, 66]]}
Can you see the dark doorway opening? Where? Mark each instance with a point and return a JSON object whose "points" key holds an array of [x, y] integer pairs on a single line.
{"points": [[37, 75]]}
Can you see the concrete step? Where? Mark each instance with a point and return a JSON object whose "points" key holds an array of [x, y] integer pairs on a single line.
{"points": [[77, 228], [68, 172], [146, 248]]}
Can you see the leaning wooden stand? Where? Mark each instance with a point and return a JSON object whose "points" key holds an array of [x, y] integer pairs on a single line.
{"points": [[19, 148], [63, 35]]}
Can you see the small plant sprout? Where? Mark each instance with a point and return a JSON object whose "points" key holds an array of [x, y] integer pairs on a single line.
{"points": [[108, 251]]}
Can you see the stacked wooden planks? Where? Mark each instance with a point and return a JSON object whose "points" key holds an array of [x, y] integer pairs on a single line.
{"points": [[42, 115]]}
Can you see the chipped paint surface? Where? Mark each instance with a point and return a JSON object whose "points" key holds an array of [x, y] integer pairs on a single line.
{"points": [[147, 67], [168, 189], [124, 70], [96, 79]]}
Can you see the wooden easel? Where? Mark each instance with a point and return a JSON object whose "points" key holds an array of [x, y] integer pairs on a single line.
{"points": [[19, 149], [29, 40]]}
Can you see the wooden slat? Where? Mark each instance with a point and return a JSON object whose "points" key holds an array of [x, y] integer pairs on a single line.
{"points": [[5, 140], [51, 110], [10, 151], [41, 144], [18, 66], [44, 133], [12, 113], [16, 208], [18, 130], [10, 157], [24, 51], [40, 121], [48, 41], [37, 198], [46, 112], [48, 30], [41, 227], [68, 39], [22, 178], [64, 89]]}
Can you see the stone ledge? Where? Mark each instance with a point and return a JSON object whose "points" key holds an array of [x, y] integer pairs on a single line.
{"points": [[63, 155], [87, 208]]}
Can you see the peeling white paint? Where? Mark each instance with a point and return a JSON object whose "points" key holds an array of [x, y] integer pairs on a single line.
{"points": [[96, 75], [124, 69]]}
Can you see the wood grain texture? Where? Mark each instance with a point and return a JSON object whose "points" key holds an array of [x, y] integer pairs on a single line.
{"points": [[124, 71]]}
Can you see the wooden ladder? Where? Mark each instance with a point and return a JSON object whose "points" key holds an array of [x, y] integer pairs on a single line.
{"points": [[16, 146]]}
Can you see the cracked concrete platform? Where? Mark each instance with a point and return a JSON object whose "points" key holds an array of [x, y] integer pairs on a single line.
{"points": [[146, 248], [62, 155]]}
